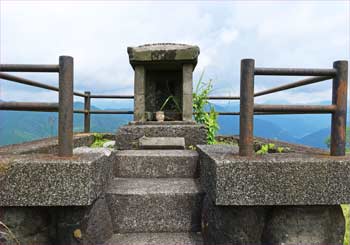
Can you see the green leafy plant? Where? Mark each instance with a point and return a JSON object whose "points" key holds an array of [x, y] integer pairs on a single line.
{"points": [[171, 98], [263, 150], [98, 140], [346, 212], [200, 101], [280, 149], [269, 148]]}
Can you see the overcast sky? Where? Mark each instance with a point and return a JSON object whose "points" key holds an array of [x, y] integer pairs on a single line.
{"points": [[276, 34]]}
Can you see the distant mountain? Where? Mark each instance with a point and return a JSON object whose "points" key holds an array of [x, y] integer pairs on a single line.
{"points": [[18, 126], [316, 139], [312, 130]]}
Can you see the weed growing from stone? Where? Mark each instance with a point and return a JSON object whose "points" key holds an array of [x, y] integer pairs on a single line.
{"points": [[98, 140], [269, 148], [208, 119], [7, 234]]}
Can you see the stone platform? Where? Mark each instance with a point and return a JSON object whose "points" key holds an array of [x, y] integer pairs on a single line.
{"points": [[274, 179], [128, 136], [281, 198], [49, 180]]}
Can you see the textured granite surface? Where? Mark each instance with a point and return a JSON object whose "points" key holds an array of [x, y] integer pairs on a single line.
{"points": [[156, 239], [82, 225], [154, 205], [48, 145], [304, 225], [162, 143], [274, 179], [127, 136], [224, 225], [58, 225], [163, 52], [49, 180], [156, 163]]}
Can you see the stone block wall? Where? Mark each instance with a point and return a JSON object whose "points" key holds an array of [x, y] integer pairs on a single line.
{"points": [[286, 198], [45, 199]]}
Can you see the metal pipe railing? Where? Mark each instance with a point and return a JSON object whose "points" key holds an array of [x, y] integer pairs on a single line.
{"points": [[291, 109], [87, 108], [223, 97], [102, 96], [28, 68], [65, 109], [339, 73], [339, 99], [293, 72], [29, 106], [247, 107], [293, 85], [32, 83]]}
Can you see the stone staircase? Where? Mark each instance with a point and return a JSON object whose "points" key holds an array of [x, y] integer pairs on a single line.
{"points": [[155, 196]]}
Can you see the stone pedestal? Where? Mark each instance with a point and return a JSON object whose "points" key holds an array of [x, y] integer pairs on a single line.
{"points": [[285, 198], [45, 199], [128, 136]]}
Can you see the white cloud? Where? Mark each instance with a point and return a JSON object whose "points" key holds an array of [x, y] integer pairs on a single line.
{"points": [[228, 36], [96, 34]]}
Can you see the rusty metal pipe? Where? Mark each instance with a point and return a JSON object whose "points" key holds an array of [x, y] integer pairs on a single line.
{"points": [[79, 111], [223, 97], [28, 68], [87, 105], [339, 98], [25, 81], [294, 72], [100, 96], [110, 112], [21, 80], [293, 85], [65, 116], [295, 108], [29, 106], [246, 108]]}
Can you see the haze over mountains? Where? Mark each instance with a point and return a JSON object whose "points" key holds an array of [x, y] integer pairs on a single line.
{"points": [[312, 130]]}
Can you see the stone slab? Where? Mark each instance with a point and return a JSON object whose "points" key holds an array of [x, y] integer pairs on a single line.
{"points": [[156, 239], [49, 180], [47, 145], [156, 163], [162, 143], [274, 179], [154, 205], [163, 52], [127, 136]]}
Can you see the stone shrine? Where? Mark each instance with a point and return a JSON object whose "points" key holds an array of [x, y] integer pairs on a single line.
{"points": [[163, 78]]}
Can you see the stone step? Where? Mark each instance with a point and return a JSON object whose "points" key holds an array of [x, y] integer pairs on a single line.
{"points": [[156, 164], [155, 205], [156, 239], [162, 143]]}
